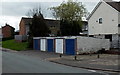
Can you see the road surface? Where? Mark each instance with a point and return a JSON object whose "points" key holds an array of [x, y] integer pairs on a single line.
{"points": [[15, 63]]}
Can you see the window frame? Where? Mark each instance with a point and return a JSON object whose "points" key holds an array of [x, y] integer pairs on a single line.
{"points": [[100, 20]]}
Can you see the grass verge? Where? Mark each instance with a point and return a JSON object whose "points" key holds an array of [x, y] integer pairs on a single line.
{"points": [[12, 44]]}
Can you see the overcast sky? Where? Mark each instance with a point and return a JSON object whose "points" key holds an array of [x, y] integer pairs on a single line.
{"points": [[11, 11]]}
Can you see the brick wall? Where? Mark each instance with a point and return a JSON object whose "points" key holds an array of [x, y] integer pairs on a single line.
{"points": [[54, 25], [22, 28], [7, 31]]}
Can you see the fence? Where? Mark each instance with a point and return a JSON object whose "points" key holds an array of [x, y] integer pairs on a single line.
{"points": [[20, 38]]}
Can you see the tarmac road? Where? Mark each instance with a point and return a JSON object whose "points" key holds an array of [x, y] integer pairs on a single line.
{"points": [[15, 63]]}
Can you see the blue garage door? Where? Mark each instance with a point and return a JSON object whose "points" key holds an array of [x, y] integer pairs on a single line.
{"points": [[70, 46], [50, 45], [36, 44]]}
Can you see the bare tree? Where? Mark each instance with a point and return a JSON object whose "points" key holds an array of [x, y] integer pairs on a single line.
{"points": [[34, 11]]}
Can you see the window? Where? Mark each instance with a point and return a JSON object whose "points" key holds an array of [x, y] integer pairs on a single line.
{"points": [[108, 37], [100, 20], [118, 25]]}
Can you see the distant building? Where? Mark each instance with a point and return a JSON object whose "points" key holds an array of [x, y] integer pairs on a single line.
{"points": [[0, 33], [104, 22], [54, 26], [7, 31]]}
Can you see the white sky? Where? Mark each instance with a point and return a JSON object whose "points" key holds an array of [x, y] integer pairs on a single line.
{"points": [[11, 11]]}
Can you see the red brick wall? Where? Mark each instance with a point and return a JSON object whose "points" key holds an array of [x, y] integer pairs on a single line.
{"points": [[6, 31], [22, 28]]}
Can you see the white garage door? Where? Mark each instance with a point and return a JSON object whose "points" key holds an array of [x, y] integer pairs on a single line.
{"points": [[43, 45], [59, 46]]}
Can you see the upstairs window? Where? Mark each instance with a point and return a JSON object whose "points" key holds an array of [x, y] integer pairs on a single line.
{"points": [[100, 20]]}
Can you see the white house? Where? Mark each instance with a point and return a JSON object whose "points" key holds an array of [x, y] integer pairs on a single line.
{"points": [[104, 22]]}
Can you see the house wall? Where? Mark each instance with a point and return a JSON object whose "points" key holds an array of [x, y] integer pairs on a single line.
{"points": [[7, 31], [119, 22], [110, 20], [119, 29], [27, 29], [0, 33], [22, 28], [119, 18], [54, 26], [54, 30]]}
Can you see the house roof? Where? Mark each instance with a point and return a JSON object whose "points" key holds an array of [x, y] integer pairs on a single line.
{"points": [[113, 4], [9, 26], [94, 10], [49, 22]]}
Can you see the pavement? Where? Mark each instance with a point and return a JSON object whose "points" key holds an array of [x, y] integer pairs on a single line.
{"points": [[105, 62]]}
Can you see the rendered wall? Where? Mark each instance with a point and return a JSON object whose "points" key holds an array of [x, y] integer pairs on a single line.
{"points": [[119, 22], [91, 45], [109, 17]]}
